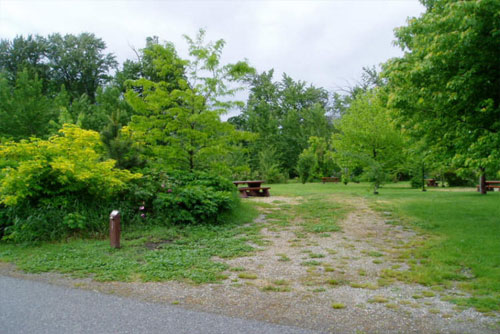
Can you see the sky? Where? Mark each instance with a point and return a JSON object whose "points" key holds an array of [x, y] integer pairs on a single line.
{"points": [[325, 43]]}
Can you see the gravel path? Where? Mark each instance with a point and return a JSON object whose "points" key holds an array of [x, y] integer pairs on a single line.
{"points": [[296, 281]]}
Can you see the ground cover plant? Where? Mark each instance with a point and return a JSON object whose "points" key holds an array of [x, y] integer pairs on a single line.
{"points": [[457, 246], [148, 253]]}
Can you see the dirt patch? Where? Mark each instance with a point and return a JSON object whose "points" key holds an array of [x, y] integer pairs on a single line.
{"points": [[152, 245], [295, 278], [275, 200]]}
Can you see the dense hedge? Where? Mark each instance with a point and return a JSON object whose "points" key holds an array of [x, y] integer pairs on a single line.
{"points": [[183, 197]]}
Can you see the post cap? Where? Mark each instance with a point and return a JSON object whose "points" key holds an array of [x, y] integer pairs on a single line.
{"points": [[114, 213]]}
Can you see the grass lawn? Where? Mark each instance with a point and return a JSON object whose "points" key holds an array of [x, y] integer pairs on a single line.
{"points": [[462, 244], [463, 229], [148, 253]]}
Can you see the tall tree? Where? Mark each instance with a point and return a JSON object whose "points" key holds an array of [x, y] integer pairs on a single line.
{"points": [[24, 110], [155, 62], [79, 63], [24, 53], [446, 87], [284, 115], [367, 137], [179, 120]]}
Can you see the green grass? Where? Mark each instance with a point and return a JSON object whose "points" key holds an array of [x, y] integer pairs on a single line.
{"points": [[247, 276], [147, 253], [460, 245], [338, 306], [462, 230]]}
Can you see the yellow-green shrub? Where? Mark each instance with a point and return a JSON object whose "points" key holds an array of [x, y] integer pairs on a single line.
{"points": [[70, 162], [45, 184]]}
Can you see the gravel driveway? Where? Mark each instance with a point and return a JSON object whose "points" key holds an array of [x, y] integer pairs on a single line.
{"points": [[328, 283]]}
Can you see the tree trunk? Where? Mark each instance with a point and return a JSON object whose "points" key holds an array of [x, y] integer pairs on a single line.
{"points": [[482, 181]]}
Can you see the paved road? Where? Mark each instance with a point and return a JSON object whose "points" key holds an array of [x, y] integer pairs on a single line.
{"points": [[35, 307]]}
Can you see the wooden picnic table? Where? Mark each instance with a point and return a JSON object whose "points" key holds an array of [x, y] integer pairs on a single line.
{"points": [[253, 188], [432, 182], [330, 179], [490, 185]]}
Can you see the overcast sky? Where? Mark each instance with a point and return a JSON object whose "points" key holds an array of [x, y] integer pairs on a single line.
{"points": [[325, 43]]}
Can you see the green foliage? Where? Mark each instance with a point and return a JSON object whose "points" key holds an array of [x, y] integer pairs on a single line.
{"points": [[42, 181], [454, 180], [119, 146], [24, 109], [323, 159], [445, 87], [368, 138], [268, 166], [178, 122], [24, 53], [181, 197], [375, 173], [67, 163], [284, 115], [76, 61], [148, 253], [416, 180], [156, 62], [79, 63], [305, 166]]}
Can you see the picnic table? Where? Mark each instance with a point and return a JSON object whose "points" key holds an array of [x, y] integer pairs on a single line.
{"points": [[431, 182], [490, 186], [330, 179], [253, 188]]}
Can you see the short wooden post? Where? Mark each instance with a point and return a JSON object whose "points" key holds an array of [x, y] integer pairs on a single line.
{"points": [[114, 228]]}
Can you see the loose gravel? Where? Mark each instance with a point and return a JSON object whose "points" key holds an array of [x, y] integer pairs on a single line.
{"points": [[297, 281]]}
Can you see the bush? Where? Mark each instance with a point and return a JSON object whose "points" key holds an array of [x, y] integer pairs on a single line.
{"points": [[274, 175], [183, 197], [69, 163], [456, 181], [305, 166], [57, 187], [416, 181]]}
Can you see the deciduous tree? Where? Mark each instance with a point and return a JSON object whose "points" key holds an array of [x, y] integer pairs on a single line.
{"points": [[446, 87]]}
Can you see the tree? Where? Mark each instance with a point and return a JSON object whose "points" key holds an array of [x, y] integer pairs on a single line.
{"points": [[155, 62], [446, 87], [370, 78], [24, 110], [367, 137], [24, 53], [284, 115], [319, 148], [179, 120], [79, 63]]}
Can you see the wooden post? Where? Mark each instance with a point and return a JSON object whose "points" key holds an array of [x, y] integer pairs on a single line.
{"points": [[114, 229]]}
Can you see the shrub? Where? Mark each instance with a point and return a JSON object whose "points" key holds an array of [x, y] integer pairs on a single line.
{"points": [[416, 181], [456, 181], [69, 163], [184, 197], [305, 166], [56, 187]]}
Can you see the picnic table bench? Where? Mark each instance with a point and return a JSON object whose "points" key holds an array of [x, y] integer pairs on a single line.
{"points": [[490, 185], [432, 182], [329, 179], [253, 188]]}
